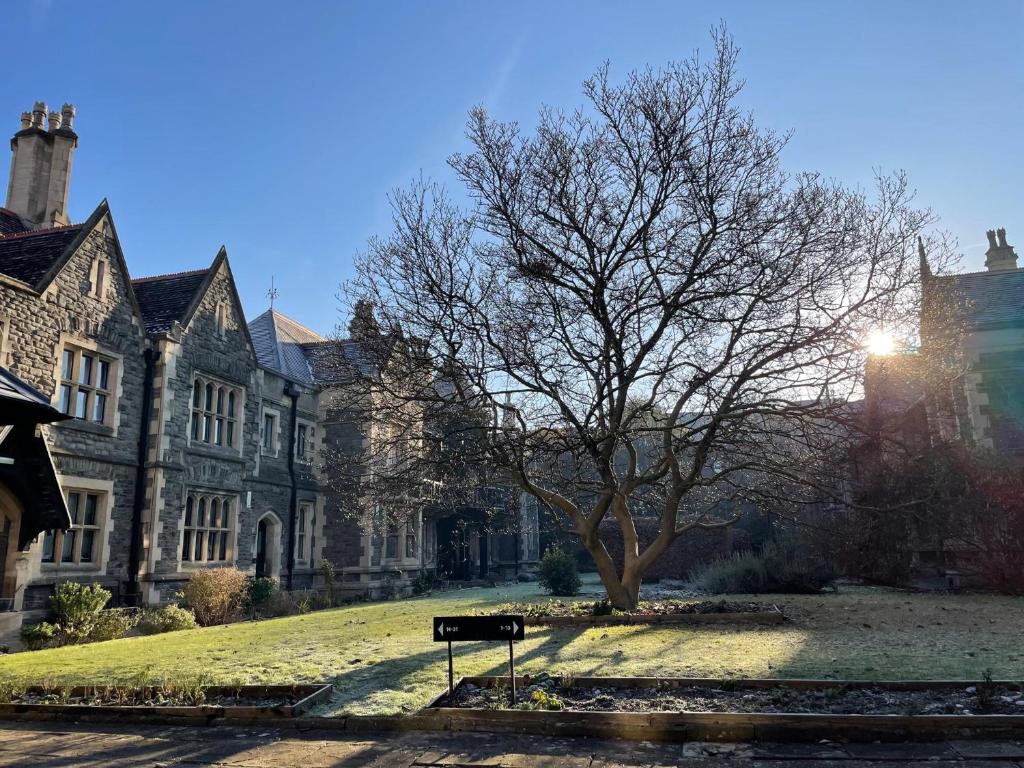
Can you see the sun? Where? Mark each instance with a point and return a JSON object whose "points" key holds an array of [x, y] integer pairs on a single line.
{"points": [[880, 342]]}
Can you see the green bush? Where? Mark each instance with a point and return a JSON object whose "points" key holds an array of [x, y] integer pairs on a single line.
{"points": [[261, 591], [112, 624], [559, 574], [169, 618], [35, 637], [423, 583], [216, 595], [75, 609], [777, 568], [326, 569]]}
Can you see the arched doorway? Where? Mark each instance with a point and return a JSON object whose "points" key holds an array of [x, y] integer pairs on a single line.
{"points": [[268, 546]]}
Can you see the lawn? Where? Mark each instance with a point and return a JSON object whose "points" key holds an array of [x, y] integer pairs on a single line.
{"points": [[381, 659]]}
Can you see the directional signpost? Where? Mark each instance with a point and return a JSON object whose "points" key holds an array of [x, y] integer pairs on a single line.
{"points": [[454, 629]]}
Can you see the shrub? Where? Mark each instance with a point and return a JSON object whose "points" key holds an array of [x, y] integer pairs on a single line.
{"points": [[778, 568], [75, 609], [327, 574], [169, 618], [216, 595], [558, 572], [112, 624], [261, 591], [280, 604], [423, 583], [35, 637]]}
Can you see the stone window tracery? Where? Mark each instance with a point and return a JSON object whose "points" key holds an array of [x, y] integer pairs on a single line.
{"points": [[216, 408], [208, 522]]}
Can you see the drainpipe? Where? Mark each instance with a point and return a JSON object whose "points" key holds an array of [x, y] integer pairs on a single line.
{"points": [[293, 392], [133, 592]]}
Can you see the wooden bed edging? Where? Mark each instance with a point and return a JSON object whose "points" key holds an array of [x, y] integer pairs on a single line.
{"points": [[721, 726], [201, 713], [757, 618]]}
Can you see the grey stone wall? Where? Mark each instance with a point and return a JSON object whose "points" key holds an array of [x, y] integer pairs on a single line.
{"points": [[36, 325]]}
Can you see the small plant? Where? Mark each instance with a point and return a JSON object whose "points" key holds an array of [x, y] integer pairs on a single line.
{"points": [[543, 700], [389, 590], [601, 608], [216, 595], [35, 637], [559, 574], [304, 604], [169, 618], [75, 610], [112, 624], [985, 691], [10, 691]]}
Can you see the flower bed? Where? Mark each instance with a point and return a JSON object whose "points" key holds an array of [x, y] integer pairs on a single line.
{"points": [[678, 709], [723, 696], [575, 613], [247, 702]]}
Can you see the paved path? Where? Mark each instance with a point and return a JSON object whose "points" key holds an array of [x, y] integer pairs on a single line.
{"points": [[42, 745]]}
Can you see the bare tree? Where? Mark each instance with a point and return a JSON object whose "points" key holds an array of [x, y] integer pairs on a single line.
{"points": [[638, 304]]}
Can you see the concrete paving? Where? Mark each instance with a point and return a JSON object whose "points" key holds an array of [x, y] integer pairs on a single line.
{"points": [[64, 745]]}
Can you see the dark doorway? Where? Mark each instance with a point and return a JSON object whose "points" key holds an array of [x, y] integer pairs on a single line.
{"points": [[261, 549], [483, 553], [453, 548]]}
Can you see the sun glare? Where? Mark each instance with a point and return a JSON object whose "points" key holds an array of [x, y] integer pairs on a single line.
{"points": [[880, 342]]}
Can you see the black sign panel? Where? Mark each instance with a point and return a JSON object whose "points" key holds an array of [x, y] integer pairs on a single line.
{"points": [[452, 629]]}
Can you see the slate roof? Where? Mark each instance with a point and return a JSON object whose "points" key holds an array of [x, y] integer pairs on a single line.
{"points": [[991, 299], [28, 255], [21, 401], [278, 341], [164, 299], [10, 223]]}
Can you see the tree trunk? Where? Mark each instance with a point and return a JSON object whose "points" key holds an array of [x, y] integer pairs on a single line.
{"points": [[623, 593]]}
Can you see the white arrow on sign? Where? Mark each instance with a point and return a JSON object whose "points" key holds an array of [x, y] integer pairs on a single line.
{"points": [[440, 629], [515, 627]]}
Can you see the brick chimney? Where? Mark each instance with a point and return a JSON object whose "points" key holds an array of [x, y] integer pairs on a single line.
{"points": [[41, 166], [1000, 254]]}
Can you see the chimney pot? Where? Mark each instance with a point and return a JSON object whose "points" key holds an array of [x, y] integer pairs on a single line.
{"points": [[26, 120], [1000, 254], [68, 113], [54, 122], [38, 114]]}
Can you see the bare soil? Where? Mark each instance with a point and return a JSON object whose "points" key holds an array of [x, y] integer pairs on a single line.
{"points": [[549, 693]]}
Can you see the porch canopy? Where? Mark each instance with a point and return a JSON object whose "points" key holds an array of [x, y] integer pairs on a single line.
{"points": [[26, 468]]}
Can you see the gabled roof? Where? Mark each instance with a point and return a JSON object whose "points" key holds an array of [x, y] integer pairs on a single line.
{"points": [[28, 256], [278, 340], [34, 257], [165, 299], [990, 299]]}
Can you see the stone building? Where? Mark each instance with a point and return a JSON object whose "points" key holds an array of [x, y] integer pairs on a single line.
{"points": [[194, 437]]}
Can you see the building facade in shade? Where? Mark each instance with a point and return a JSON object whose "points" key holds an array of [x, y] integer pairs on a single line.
{"points": [[194, 437]]}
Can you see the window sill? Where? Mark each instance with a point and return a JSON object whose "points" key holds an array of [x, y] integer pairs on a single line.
{"points": [[56, 570], [205, 565], [227, 454], [81, 425]]}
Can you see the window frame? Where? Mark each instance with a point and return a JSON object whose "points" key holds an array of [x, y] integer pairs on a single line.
{"points": [[58, 539], [274, 449], [305, 450], [216, 413], [72, 389], [198, 532], [305, 534]]}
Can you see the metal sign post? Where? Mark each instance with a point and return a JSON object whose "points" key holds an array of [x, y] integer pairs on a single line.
{"points": [[454, 629]]}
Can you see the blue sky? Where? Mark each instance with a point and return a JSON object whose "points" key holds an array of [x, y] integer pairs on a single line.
{"points": [[279, 128]]}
